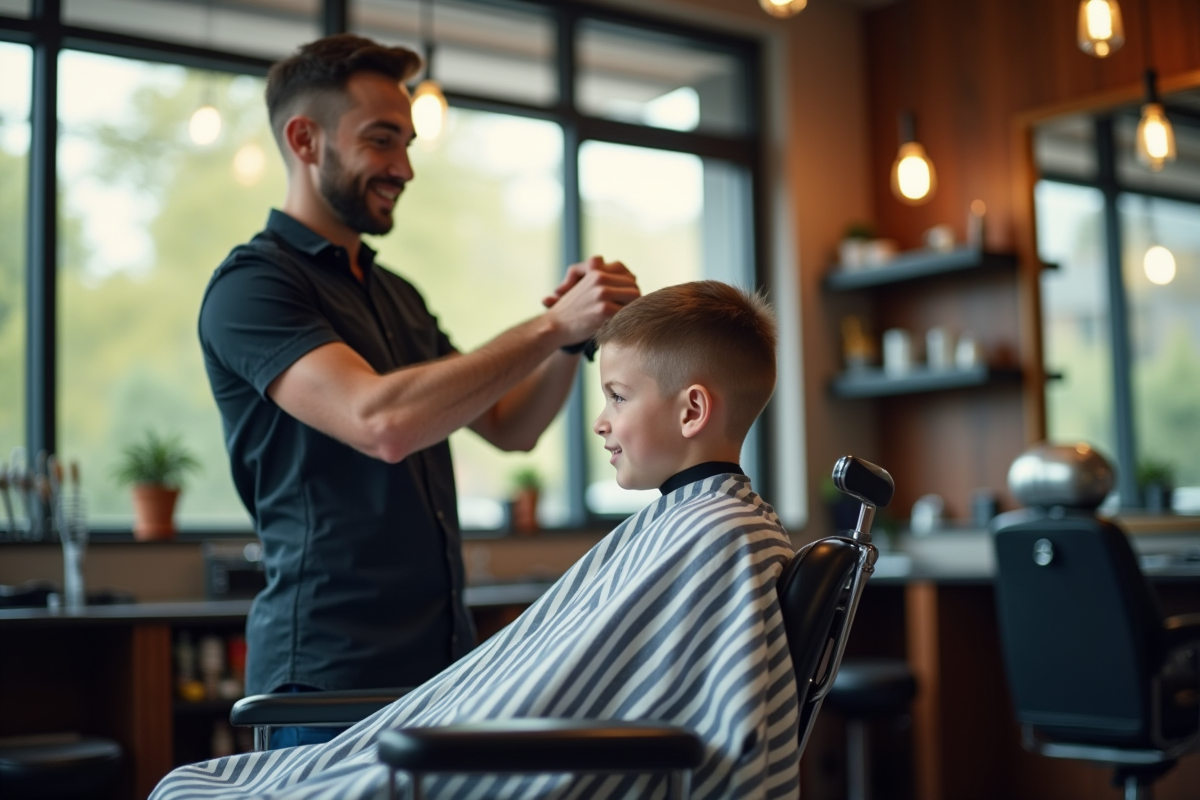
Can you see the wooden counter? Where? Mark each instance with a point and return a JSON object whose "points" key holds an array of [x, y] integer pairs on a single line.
{"points": [[107, 670]]}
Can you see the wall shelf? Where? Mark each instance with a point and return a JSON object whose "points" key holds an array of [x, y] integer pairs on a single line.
{"points": [[877, 383], [916, 264]]}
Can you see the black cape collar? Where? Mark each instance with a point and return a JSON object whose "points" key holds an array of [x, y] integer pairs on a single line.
{"points": [[699, 473]]}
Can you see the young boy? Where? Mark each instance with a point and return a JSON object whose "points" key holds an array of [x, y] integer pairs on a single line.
{"points": [[672, 617]]}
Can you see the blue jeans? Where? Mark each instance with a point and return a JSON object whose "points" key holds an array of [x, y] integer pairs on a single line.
{"points": [[291, 737]]}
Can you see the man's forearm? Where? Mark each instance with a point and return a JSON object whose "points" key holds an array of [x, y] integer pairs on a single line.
{"points": [[416, 407], [522, 415]]}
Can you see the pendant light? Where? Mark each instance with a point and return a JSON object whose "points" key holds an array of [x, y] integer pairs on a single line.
{"points": [[205, 125], [1100, 32], [783, 8], [1155, 137], [429, 105], [1158, 263], [914, 179]]}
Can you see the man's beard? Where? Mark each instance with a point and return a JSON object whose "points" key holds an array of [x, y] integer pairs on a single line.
{"points": [[349, 201]]}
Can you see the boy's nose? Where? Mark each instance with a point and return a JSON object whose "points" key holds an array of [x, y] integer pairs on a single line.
{"points": [[600, 426]]}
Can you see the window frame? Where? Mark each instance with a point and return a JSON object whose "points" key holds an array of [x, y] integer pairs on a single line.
{"points": [[1111, 187], [46, 33]]}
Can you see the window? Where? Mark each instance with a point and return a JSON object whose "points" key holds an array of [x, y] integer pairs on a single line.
{"points": [[146, 216], [572, 130], [15, 64], [1121, 310], [485, 212]]}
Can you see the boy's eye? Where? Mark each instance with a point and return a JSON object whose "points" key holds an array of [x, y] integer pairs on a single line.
{"points": [[616, 398]]}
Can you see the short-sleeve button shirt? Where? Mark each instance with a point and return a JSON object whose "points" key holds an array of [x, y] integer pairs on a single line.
{"points": [[363, 558]]}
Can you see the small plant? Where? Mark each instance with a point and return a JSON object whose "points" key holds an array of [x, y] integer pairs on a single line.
{"points": [[864, 231], [1151, 472], [155, 460], [526, 479]]}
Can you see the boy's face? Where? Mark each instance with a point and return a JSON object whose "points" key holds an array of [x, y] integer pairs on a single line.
{"points": [[641, 428]]}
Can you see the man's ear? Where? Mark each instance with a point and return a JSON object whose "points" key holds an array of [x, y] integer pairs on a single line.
{"points": [[303, 137], [697, 410]]}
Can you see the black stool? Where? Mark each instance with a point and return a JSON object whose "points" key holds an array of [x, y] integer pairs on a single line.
{"points": [[867, 688], [57, 766]]}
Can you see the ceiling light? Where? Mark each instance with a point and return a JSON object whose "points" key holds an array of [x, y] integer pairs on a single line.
{"points": [[914, 179], [783, 8], [1101, 32], [248, 164], [429, 110], [1159, 264], [1155, 136], [205, 125]]}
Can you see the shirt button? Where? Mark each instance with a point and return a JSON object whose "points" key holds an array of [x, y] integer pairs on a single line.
{"points": [[441, 516]]}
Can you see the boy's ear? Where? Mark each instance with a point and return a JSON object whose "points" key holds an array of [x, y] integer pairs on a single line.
{"points": [[697, 410]]}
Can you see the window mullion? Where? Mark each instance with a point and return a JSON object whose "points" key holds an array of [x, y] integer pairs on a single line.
{"points": [[572, 251], [42, 233], [1122, 378]]}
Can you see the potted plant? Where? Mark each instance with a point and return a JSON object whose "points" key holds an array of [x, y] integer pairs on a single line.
{"points": [[527, 485], [155, 468], [852, 250], [1156, 482]]}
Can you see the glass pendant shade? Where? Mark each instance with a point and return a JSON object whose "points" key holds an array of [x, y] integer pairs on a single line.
{"points": [[1101, 32], [914, 179], [1155, 137], [783, 8], [205, 125], [1159, 264], [429, 110]]}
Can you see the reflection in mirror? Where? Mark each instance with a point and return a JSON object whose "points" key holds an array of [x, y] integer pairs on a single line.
{"points": [[1090, 175]]}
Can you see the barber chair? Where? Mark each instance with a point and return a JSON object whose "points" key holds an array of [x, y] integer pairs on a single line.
{"points": [[868, 689], [819, 592], [1095, 670]]}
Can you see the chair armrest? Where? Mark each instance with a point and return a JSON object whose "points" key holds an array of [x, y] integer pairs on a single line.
{"points": [[535, 745], [1181, 631], [314, 709]]}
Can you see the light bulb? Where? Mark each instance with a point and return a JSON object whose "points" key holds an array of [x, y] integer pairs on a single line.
{"points": [[429, 110], [1101, 32], [783, 8], [205, 125], [1159, 264], [248, 164], [1155, 137], [913, 177]]}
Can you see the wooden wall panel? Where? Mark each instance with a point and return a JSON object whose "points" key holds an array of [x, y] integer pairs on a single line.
{"points": [[974, 65]]}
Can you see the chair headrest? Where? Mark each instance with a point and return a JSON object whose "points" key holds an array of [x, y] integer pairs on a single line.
{"points": [[1072, 475]]}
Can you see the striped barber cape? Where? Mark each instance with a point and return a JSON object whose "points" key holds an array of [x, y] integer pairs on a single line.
{"points": [[672, 617]]}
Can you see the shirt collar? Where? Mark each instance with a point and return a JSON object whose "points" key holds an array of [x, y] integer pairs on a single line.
{"points": [[303, 238], [699, 473]]}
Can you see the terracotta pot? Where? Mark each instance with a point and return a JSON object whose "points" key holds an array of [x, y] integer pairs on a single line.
{"points": [[154, 512], [524, 512]]}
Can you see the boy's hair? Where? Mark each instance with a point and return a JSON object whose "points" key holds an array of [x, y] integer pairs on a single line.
{"points": [[699, 332], [313, 79]]}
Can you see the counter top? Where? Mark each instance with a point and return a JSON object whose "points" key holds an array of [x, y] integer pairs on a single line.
{"points": [[209, 611]]}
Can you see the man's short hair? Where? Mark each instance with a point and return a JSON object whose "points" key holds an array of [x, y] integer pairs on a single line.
{"points": [[313, 79], [700, 332]]}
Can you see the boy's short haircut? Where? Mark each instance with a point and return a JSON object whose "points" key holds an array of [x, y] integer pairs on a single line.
{"points": [[699, 332], [313, 79]]}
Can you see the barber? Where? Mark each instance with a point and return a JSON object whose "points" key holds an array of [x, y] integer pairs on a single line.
{"points": [[338, 391]]}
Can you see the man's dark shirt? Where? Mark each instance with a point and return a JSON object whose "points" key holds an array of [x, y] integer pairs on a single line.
{"points": [[363, 558]]}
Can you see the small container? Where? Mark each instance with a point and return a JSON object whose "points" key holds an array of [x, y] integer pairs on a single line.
{"points": [[897, 351], [939, 349]]}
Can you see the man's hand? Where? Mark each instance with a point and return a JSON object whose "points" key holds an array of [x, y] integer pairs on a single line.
{"points": [[590, 293]]}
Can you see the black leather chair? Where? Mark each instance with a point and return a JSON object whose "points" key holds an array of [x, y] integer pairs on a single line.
{"points": [[867, 689], [819, 592], [1095, 670], [57, 767]]}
